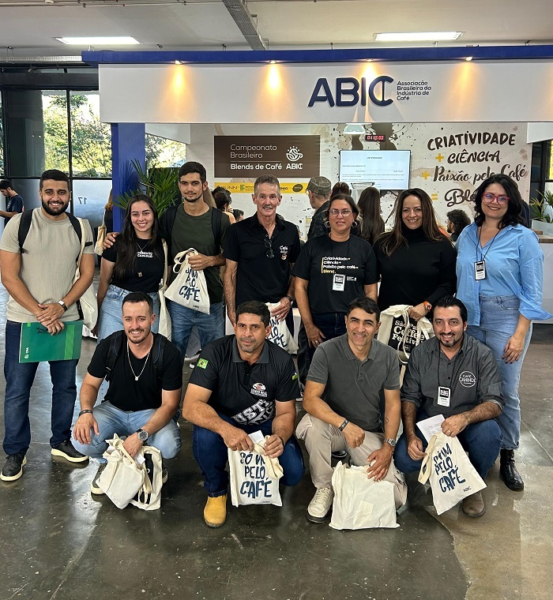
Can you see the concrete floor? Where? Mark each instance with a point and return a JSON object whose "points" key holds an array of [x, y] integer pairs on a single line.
{"points": [[59, 542]]}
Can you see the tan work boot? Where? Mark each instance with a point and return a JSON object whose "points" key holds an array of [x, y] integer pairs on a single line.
{"points": [[215, 511], [473, 505]]}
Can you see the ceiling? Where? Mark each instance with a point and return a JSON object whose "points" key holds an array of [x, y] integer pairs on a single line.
{"points": [[28, 27]]}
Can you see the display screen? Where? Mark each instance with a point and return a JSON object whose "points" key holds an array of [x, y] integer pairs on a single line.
{"points": [[384, 169]]}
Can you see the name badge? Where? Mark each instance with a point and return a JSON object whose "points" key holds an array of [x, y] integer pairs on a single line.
{"points": [[444, 396], [480, 270], [338, 283]]}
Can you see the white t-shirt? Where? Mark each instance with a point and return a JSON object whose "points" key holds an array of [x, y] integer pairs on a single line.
{"points": [[48, 263]]}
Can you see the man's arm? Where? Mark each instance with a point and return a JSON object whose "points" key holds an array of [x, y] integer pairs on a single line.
{"points": [[314, 335], [314, 404], [392, 417], [10, 214], [371, 291], [414, 443], [196, 410], [453, 425], [283, 428], [89, 393], [10, 265], [199, 262], [285, 303], [230, 289]]}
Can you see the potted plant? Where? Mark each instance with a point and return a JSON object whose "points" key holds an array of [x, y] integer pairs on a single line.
{"points": [[541, 211]]}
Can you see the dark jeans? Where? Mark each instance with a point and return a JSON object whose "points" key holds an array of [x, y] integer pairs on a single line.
{"points": [[480, 440], [19, 380], [331, 325], [211, 453]]}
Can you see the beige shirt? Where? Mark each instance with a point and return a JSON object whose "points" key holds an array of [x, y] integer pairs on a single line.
{"points": [[48, 263]]}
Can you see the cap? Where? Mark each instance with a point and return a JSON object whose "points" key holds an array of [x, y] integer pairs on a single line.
{"points": [[320, 186]]}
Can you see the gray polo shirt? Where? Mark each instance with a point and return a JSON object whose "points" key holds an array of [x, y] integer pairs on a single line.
{"points": [[471, 375], [353, 388]]}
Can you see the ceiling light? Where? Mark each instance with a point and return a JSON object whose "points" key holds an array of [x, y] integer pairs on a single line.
{"points": [[419, 36], [468, 58], [99, 41], [178, 62]]}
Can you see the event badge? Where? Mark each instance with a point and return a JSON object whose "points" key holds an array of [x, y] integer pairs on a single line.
{"points": [[339, 283], [480, 270], [444, 396]]}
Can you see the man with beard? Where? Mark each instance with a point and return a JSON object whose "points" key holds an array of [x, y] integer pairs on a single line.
{"points": [[452, 375], [145, 381], [39, 276]]}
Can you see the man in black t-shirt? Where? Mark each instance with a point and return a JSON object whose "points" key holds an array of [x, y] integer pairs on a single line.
{"points": [[145, 383], [242, 383]]}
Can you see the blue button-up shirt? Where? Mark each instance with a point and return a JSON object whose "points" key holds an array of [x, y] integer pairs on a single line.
{"points": [[514, 267]]}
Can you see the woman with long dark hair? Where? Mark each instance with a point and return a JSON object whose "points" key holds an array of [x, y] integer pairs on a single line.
{"points": [[135, 263], [500, 278], [415, 260], [371, 221]]}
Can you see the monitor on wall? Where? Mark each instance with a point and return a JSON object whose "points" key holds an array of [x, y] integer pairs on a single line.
{"points": [[383, 169]]}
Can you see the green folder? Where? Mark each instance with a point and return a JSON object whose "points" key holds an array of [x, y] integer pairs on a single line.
{"points": [[37, 345]]}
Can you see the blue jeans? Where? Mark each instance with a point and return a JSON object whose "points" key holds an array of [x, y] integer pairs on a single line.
{"points": [[210, 327], [480, 440], [19, 380], [114, 420], [211, 454], [111, 312], [498, 321], [331, 325]]}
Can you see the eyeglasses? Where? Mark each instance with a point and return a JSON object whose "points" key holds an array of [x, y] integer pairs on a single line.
{"points": [[501, 199], [335, 212], [269, 248]]}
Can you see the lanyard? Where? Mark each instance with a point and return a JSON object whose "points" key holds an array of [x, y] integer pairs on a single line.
{"points": [[454, 376], [479, 245]]}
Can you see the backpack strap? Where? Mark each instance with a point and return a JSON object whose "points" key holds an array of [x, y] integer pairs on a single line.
{"points": [[24, 226], [115, 347], [160, 342]]}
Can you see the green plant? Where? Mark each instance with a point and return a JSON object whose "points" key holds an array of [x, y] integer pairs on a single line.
{"points": [[541, 209], [161, 184]]}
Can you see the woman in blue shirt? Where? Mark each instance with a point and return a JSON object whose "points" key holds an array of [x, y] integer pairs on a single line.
{"points": [[499, 278]]}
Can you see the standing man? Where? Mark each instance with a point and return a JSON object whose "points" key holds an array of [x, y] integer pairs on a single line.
{"points": [[14, 202], [241, 384], [456, 376], [342, 398], [145, 381], [39, 277], [260, 253], [318, 191]]}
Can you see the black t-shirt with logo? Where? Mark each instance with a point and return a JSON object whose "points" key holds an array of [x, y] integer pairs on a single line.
{"points": [[124, 391], [148, 266], [246, 393], [321, 260], [258, 276]]}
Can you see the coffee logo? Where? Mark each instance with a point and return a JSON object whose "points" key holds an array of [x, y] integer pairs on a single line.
{"points": [[467, 379]]}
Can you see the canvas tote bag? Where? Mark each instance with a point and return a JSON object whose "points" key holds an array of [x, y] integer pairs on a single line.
{"points": [[189, 288]]}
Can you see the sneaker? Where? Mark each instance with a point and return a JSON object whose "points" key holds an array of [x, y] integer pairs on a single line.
{"points": [[13, 469], [94, 487], [215, 511], [66, 450], [320, 505], [340, 454]]}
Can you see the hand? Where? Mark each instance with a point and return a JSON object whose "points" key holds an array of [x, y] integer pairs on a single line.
{"points": [[199, 262], [94, 330], [453, 425], [513, 348], [55, 328], [415, 448], [110, 239], [418, 312], [314, 336], [379, 462], [50, 312], [231, 316], [274, 446], [133, 444], [354, 435], [236, 439], [83, 426], [283, 308]]}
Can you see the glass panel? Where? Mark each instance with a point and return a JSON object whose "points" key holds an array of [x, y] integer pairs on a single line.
{"points": [[56, 146], [2, 170], [89, 198], [161, 152], [90, 138], [549, 160], [537, 149]]}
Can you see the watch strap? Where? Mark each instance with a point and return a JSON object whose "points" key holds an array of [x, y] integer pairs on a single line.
{"points": [[343, 425], [86, 411]]}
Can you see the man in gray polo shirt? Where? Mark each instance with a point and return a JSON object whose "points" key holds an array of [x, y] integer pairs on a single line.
{"points": [[342, 398], [456, 376]]}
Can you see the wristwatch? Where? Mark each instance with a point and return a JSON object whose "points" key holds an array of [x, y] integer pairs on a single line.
{"points": [[390, 441], [343, 425], [142, 435], [63, 305]]}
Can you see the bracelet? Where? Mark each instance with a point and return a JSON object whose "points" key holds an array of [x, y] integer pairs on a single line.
{"points": [[290, 299], [86, 411], [343, 425], [283, 444]]}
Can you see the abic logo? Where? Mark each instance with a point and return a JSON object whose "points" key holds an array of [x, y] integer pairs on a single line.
{"points": [[350, 91]]}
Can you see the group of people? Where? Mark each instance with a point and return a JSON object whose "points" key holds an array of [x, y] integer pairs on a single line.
{"points": [[482, 297]]}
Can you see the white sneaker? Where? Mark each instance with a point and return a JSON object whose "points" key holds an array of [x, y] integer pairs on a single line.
{"points": [[320, 505]]}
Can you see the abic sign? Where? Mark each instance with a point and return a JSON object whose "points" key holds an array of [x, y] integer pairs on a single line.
{"points": [[351, 91]]}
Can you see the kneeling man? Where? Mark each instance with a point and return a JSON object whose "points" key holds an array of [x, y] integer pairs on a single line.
{"points": [[343, 400], [452, 375], [242, 383], [145, 380]]}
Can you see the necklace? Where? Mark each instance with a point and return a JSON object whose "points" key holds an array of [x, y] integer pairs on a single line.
{"points": [[137, 377]]}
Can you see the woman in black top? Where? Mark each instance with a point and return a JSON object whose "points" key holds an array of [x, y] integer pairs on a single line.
{"points": [[372, 223], [415, 260], [331, 271], [135, 263]]}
